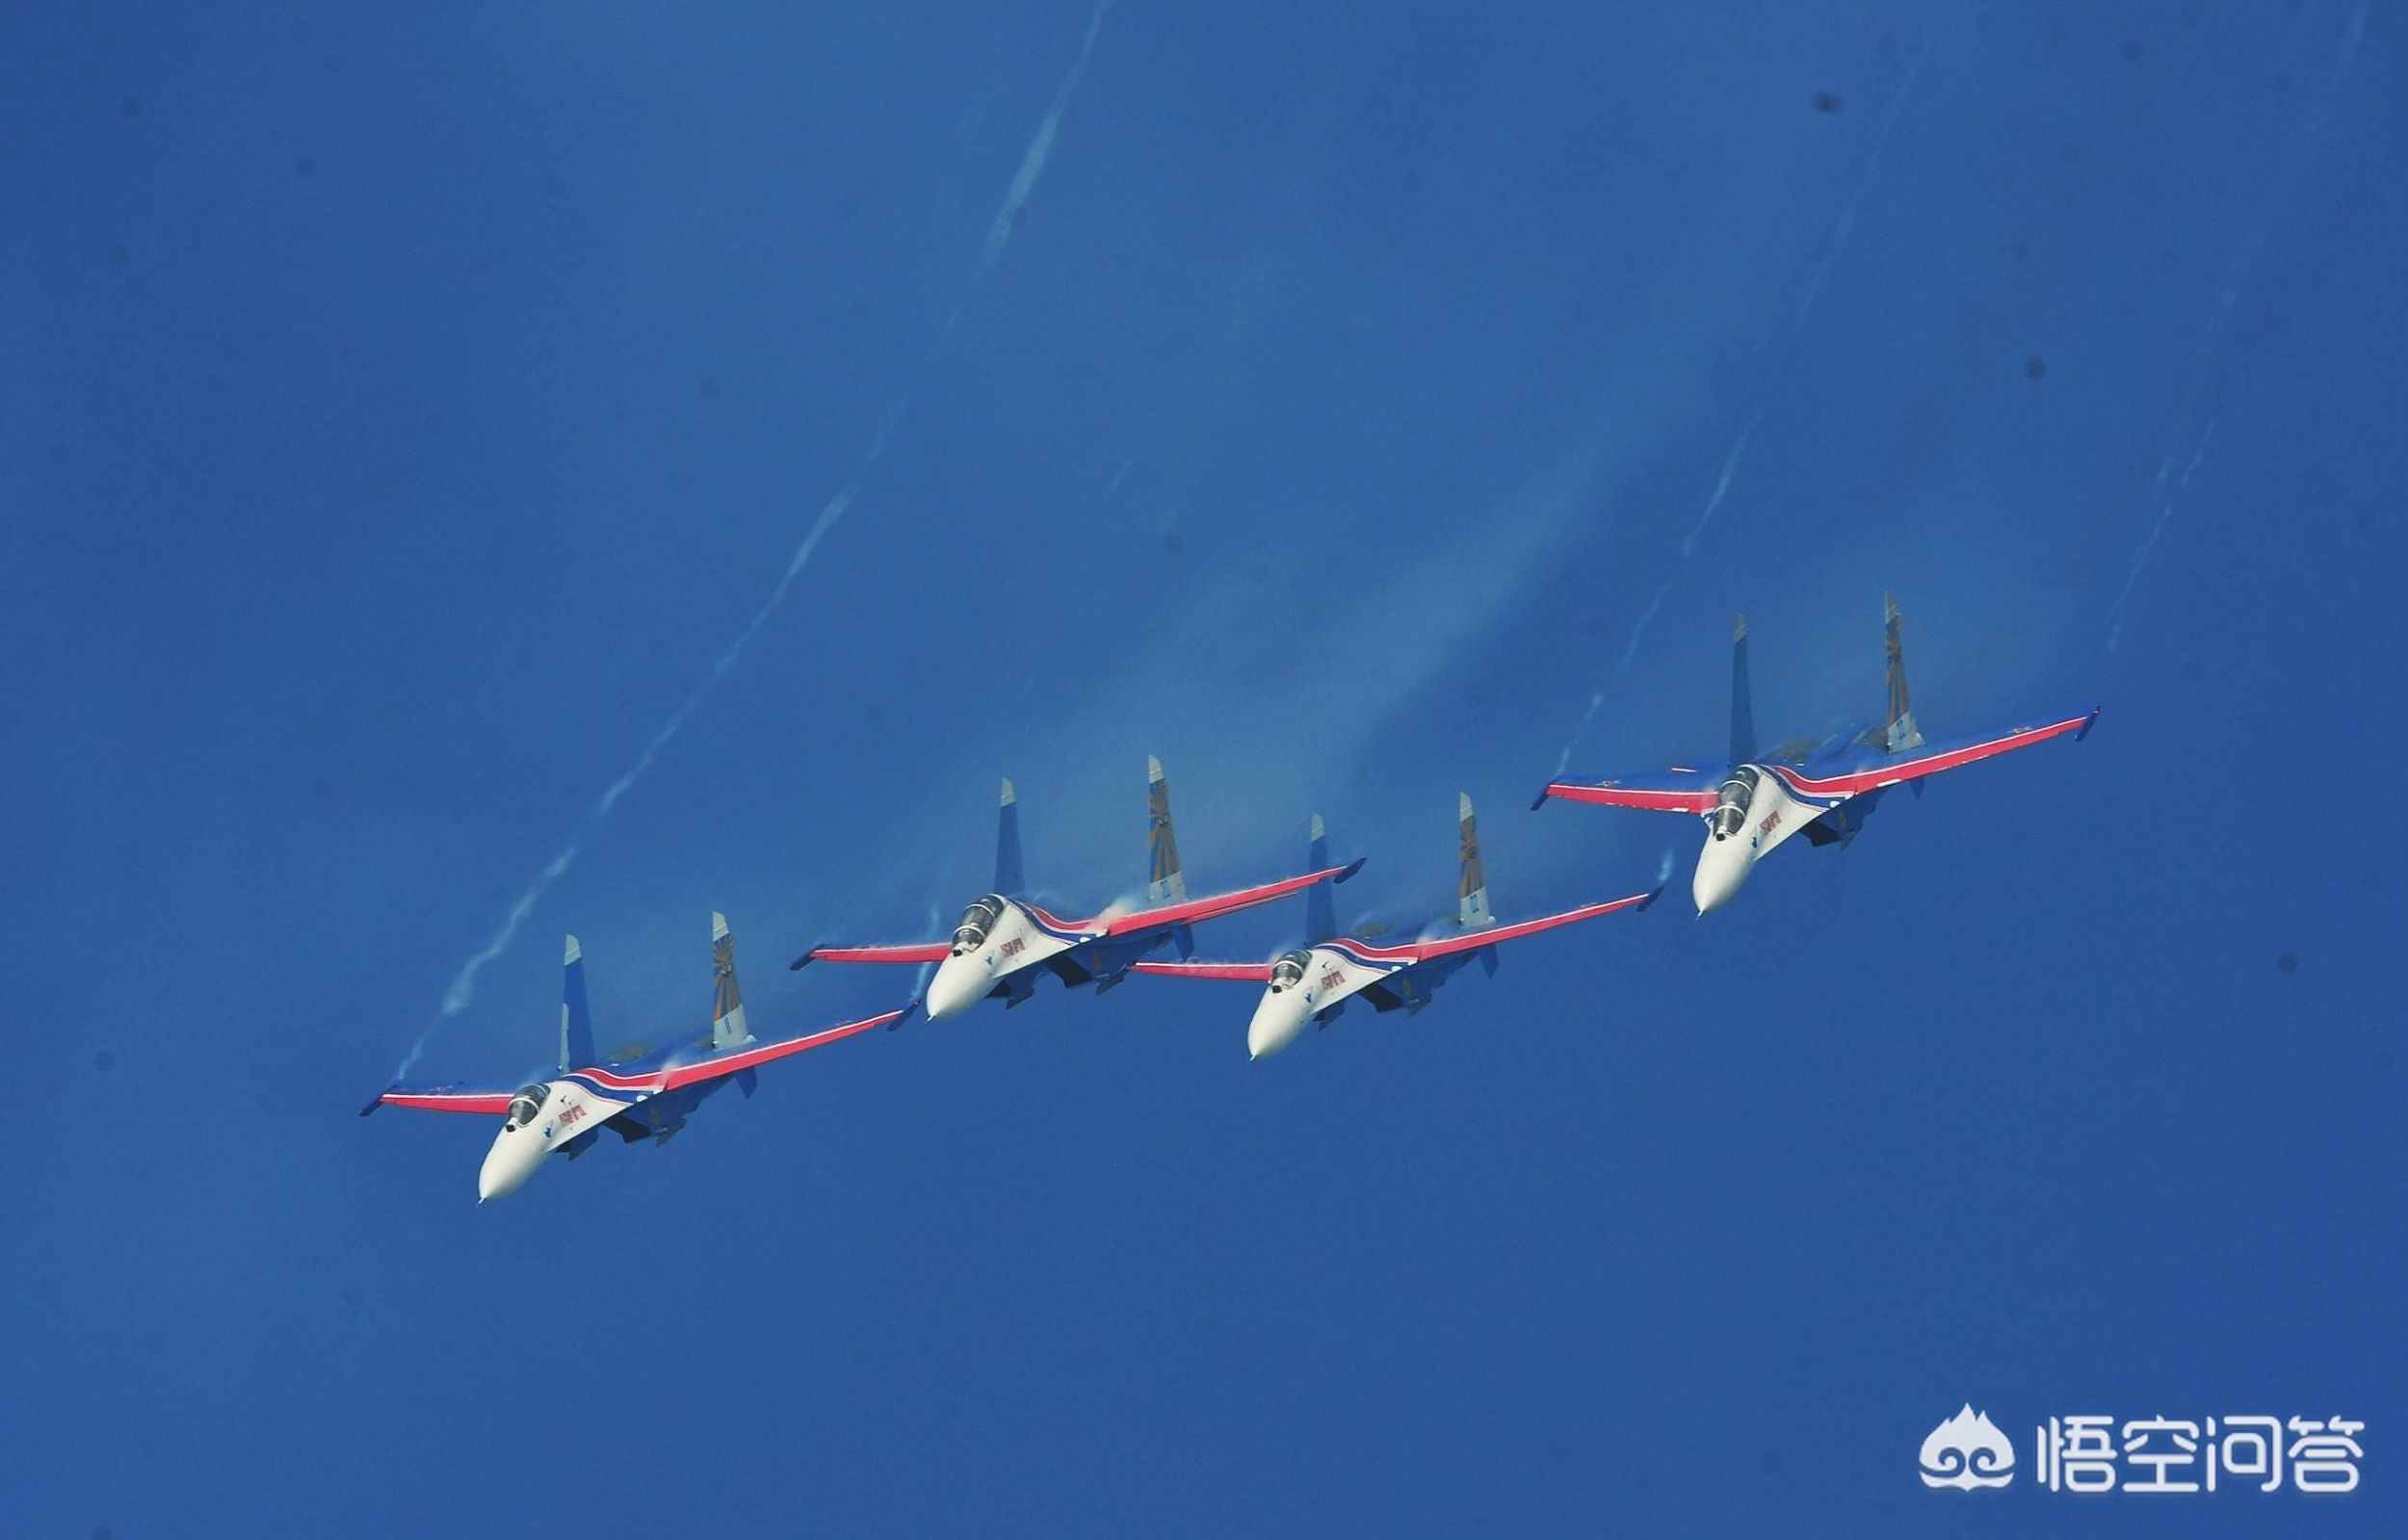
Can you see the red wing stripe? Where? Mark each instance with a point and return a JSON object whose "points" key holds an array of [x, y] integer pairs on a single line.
{"points": [[1860, 781], [492, 1103], [1698, 802], [909, 951], [730, 1063], [1471, 939], [1251, 972], [1220, 903]]}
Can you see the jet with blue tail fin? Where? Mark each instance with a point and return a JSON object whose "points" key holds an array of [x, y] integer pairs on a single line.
{"points": [[639, 1092], [1007, 942], [1753, 801], [1313, 982]]}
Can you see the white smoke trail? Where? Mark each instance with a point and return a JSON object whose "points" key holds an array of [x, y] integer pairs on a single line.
{"points": [[464, 984], [464, 988], [2203, 356], [1023, 183], [1846, 225], [1842, 228], [2167, 499], [1629, 654], [927, 970], [1032, 164], [829, 513], [1722, 485]]}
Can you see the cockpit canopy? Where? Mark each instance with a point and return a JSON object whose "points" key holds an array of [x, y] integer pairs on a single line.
{"points": [[525, 1105], [1289, 970], [1730, 814], [975, 922]]}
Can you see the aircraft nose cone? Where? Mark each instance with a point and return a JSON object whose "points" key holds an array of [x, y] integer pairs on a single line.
{"points": [[507, 1166], [1720, 870], [1278, 1021], [956, 988]]}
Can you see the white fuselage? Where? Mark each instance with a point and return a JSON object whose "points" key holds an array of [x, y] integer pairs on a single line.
{"points": [[1765, 816], [1280, 1016], [1014, 941], [569, 1109]]}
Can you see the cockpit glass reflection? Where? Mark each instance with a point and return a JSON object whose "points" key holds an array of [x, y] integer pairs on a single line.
{"points": [[975, 922], [1289, 970], [525, 1105], [1730, 814]]}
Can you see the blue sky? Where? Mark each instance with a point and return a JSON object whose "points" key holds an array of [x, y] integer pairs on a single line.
{"points": [[404, 413]]}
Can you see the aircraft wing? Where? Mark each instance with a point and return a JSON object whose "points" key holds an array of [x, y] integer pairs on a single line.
{"points": [[718, 1066], [428, 1097], [909, 951], [1682, 789], [1490, 935], [1251, 972], [1928, 759], [1220, 903]]}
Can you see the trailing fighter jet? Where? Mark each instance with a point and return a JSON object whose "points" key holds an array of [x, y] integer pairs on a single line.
{"points": [[1312, 983], [1754, 801], [639, 1092], [1003, 942]]}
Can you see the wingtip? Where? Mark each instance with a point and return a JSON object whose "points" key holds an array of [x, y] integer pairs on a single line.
{"points": [[910, 1009], [1544, 793], [374, 1103], [796, 966], [1357, 865], [2088, 722], [1653, 894]]}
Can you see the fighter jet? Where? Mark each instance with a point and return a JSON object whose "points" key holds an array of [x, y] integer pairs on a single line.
{"points": [[639, 1092], [1005, 943], [1754, 801], [1313, 982]]}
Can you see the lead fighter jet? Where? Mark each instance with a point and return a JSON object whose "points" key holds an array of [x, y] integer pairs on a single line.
{"points": [[1003, 944], [639, 1092], [1754, 801], [1313, 982]]}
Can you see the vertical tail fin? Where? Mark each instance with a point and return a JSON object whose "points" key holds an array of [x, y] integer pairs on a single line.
{"points": [[1473, 909], [1743, 699], [727, 1003], [1007, 879], [1165, 884], [1903, 733], [576, 1019], [1321, 904]]}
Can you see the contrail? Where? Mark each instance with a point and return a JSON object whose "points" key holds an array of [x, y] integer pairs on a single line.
{"points": [[1842, 228], [2219, 316], [829, 513], [1629, 654], [1722, 483], [1032, 164], [2166, 499], [464, 988], [1024, 182], [1847, 222]]}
